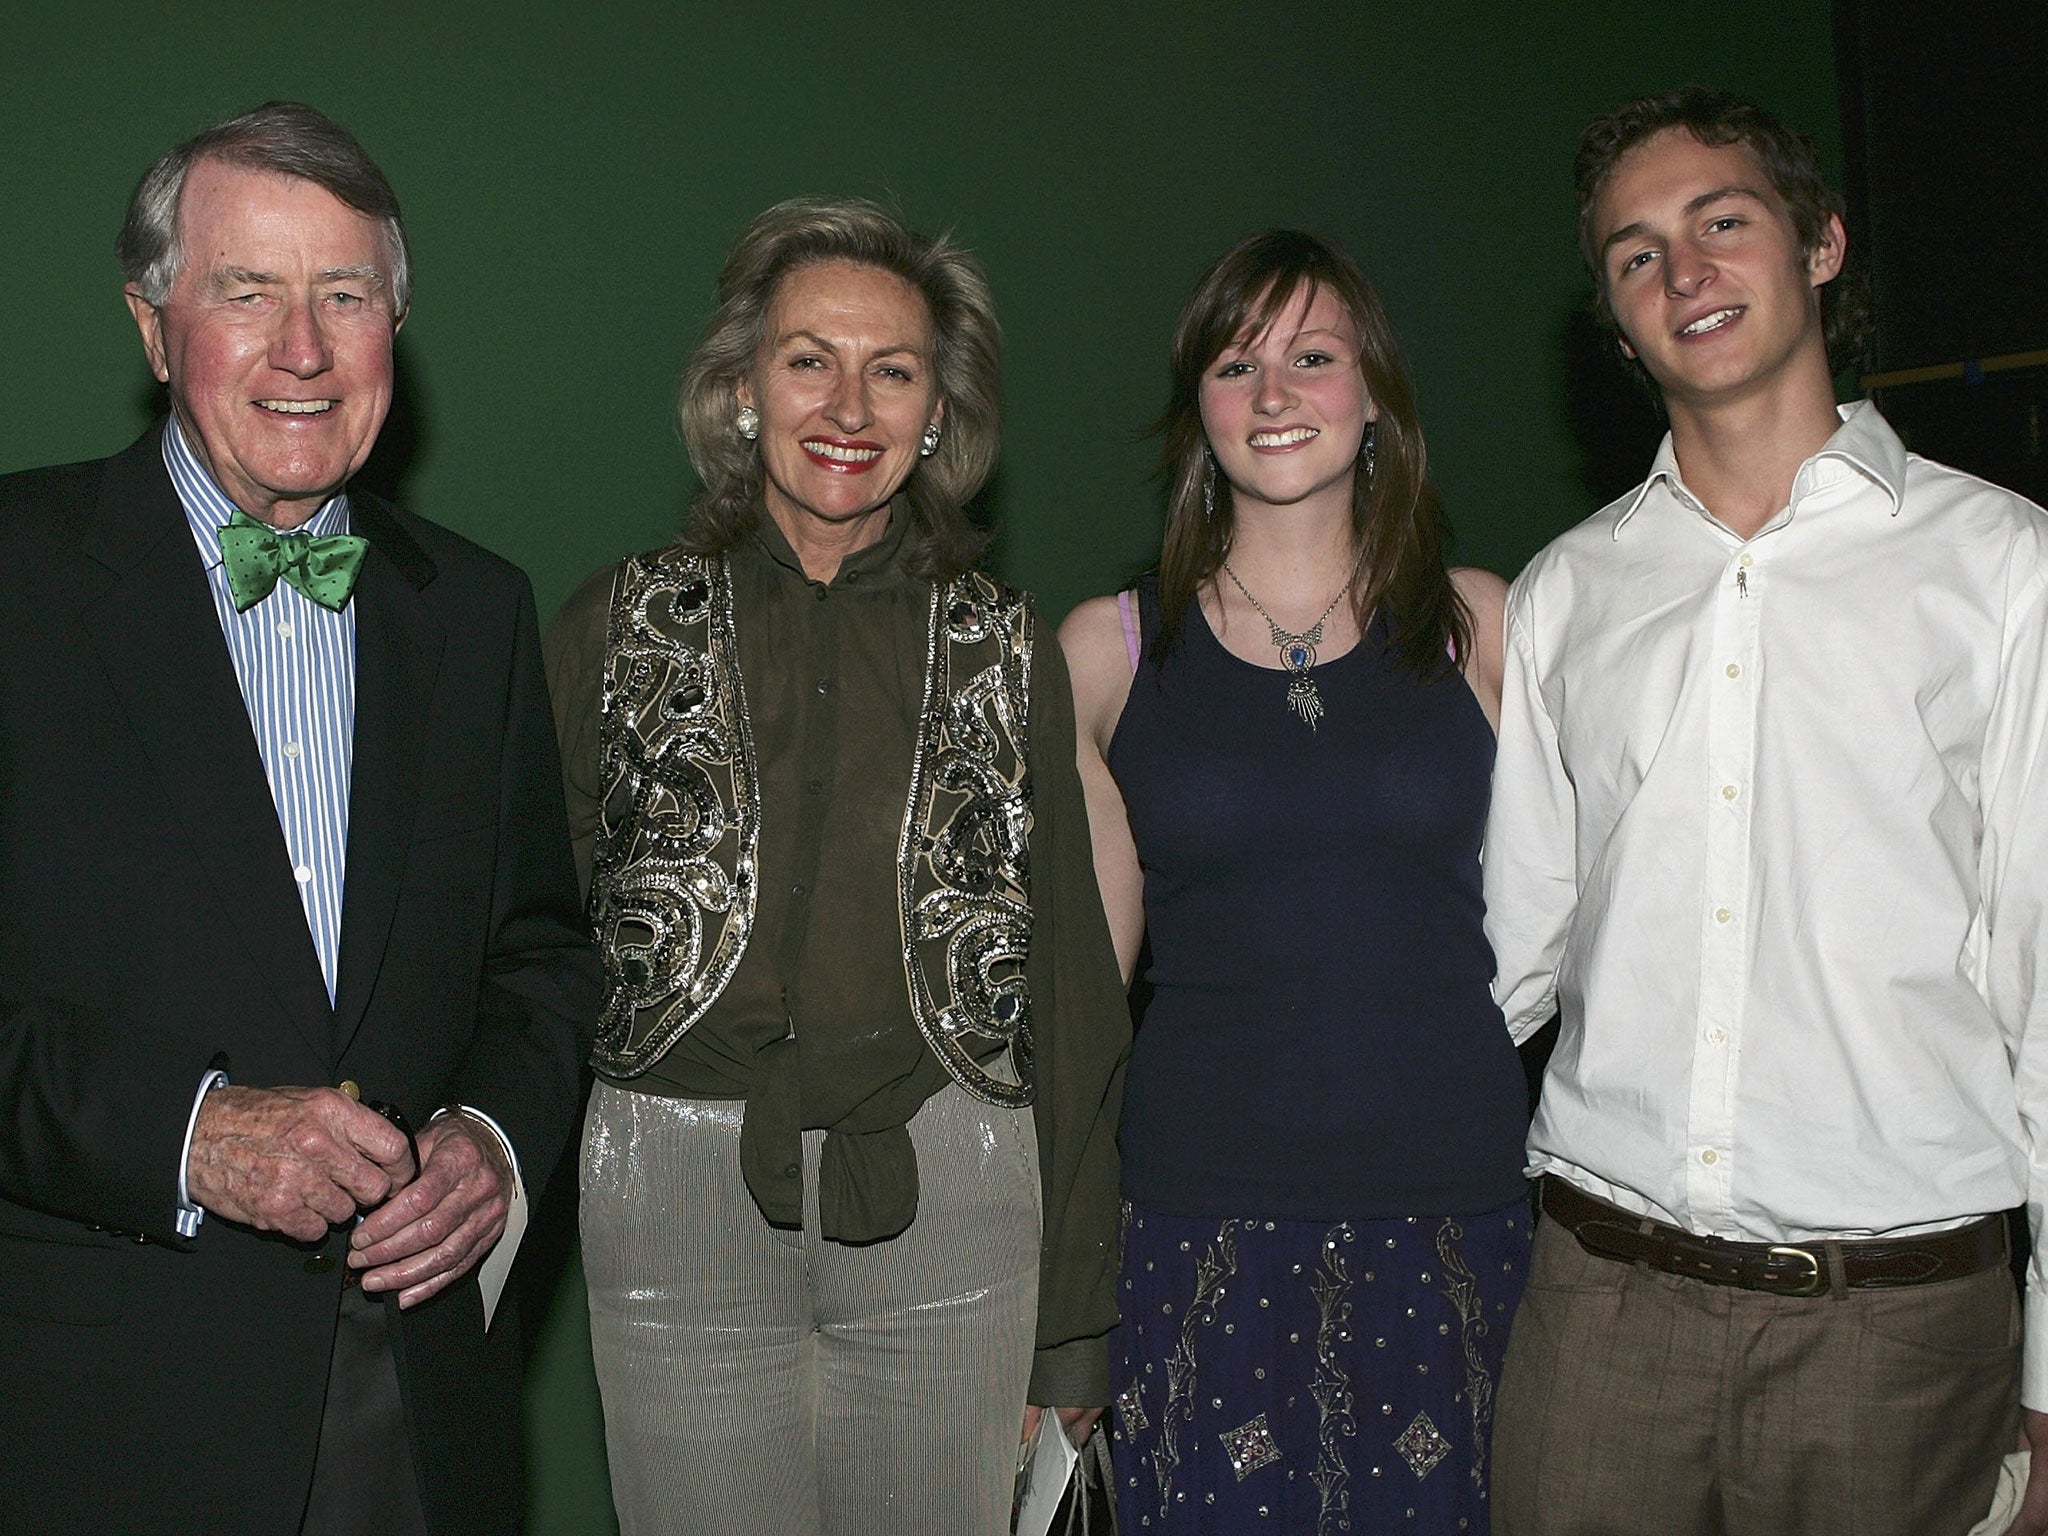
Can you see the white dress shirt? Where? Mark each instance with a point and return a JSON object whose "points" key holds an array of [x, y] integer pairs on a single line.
{"points": [[1769, 831]]}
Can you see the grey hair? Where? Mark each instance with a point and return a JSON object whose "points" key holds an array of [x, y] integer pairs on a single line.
{"points": [[284, 138], [967, 359]]}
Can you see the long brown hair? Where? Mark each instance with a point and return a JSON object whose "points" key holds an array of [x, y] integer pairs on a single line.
{"points": [[1397, 522]]}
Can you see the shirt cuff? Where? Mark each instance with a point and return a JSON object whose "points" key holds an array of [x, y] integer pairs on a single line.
{"points": [[189, 1216], [1071, 1375]]}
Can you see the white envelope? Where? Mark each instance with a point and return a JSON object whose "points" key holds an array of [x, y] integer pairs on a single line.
{"points": [[1048, 1470], [2005, 1503]]}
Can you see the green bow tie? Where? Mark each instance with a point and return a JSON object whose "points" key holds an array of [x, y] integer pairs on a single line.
{"points": [[258, 557]]}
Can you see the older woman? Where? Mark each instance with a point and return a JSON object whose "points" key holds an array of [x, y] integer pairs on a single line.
{"points": [[1288, 753], [849, 1174]]}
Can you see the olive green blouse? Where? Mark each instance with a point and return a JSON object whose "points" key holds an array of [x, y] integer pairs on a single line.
{"points": [[814, 1029]]}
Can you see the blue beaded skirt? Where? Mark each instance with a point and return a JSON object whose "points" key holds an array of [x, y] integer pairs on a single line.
{"points": [[1311, 1376]]}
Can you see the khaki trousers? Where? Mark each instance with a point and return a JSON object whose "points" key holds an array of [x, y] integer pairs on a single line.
{"points": [[759, 1382], [1635, 1403]]}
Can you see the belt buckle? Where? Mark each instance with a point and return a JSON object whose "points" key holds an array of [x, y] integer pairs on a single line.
{"points": [[1811, 1286]]}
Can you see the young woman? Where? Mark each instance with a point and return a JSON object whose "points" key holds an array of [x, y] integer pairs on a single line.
{"points": [[1286, 743]]}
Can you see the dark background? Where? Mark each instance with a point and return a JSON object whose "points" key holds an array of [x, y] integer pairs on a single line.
{"points": [[1945, 142], [572, 178]]}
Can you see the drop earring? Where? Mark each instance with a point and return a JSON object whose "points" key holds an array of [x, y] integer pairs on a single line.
{"points": [[1208, 484], [1365, 449], [929, 443]]}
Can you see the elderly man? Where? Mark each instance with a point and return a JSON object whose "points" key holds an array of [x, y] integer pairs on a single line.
{"points": [[285, 881], [1769, 829]]}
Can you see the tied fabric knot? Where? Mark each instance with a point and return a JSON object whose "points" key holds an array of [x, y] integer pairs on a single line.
{"points": [[867, 1180], [258, 557]]}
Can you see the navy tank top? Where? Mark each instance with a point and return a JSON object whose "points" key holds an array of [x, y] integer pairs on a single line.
{"points": [[1321, 1041]]}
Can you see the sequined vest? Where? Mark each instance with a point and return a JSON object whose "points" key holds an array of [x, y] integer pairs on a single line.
{"points": [[673, 882]]}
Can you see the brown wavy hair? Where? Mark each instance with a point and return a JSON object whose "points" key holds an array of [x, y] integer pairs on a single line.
{"points": [[1398, 525], [967, 357], [1790, 163]]}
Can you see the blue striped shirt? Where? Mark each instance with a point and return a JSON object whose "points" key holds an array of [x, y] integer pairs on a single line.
{"points": [[296, 663], [297, 666]]}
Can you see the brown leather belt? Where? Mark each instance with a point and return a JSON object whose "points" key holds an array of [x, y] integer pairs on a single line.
{"points": [[1785, 1269]]}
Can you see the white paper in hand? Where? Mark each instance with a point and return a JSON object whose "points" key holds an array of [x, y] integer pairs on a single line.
{"points": [[497, 1264], [2005, 1503], [1051, 1468]]}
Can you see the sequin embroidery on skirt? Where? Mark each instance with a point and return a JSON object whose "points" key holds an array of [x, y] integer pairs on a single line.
{"points": [[1323, 1377]]}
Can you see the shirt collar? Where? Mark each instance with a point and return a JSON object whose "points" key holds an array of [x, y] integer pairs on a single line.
{"points": [[208, 507], [1663, 471], [885, 554], [1864, 443]]}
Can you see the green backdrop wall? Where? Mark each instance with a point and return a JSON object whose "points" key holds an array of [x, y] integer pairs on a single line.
{"points": [[572, 176]]}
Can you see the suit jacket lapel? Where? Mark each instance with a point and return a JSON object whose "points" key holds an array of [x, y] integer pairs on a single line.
{"points": [[157, 634], [398, 657]]}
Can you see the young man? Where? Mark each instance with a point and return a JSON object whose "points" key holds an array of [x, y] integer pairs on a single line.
{"points": [[1767, 832]]}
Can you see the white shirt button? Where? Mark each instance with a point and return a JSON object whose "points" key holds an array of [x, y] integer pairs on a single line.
{"points": [[1734, 670], [1729, 791], [303, 874], [1747, 560], [1722, 915], [291, 749], [1716, 1035], [1710, 1157], [284, 629]]}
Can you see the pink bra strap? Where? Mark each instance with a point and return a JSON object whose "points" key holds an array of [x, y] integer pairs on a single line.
{"points": [[1128, 608]]}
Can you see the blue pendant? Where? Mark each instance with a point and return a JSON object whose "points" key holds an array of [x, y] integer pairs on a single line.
{"points": [[1298, 655]]}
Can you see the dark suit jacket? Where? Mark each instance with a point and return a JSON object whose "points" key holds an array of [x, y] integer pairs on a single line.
{"points": [[148, 919]]}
